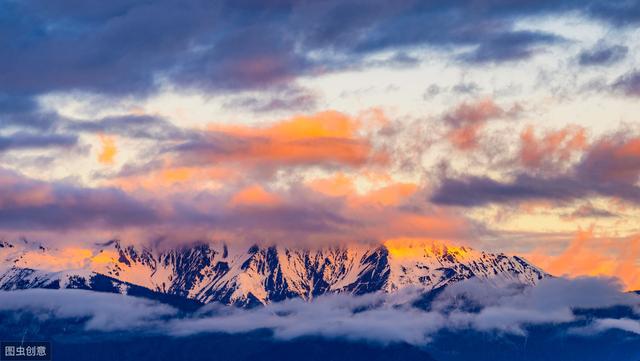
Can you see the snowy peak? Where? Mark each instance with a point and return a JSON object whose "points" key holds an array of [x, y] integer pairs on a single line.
{"points": [[249, 276]]}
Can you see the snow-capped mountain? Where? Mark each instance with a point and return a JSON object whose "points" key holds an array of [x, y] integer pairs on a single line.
{"points": [[248, 276]]}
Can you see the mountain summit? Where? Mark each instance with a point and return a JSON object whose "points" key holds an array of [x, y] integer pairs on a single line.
{"points": [[250, 276]]}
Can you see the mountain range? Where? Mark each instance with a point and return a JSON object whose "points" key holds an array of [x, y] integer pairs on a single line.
{"points": [[253, 275]]}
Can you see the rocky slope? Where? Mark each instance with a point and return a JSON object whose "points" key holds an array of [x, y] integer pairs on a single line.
{"points": [[249, 276]]}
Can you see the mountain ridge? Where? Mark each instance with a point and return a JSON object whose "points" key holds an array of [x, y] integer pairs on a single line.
{"points": [[234, 275]]}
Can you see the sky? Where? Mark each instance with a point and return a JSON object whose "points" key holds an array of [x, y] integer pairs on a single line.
{"points": [[509, 126]]}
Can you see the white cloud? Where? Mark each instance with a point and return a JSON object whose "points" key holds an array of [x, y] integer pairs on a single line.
{"points": [[377, 317], [104, 311]]}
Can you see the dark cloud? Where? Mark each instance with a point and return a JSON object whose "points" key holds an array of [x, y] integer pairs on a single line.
{"points": [[286, 98], [124, 48], [256, 57], [239, 211], [467, 120], [132, 126], [468, 113], [619, 13], [603, 54], [113, 52], [24, 112], [33, 205], [55, 129], [614, 158], [398, 60], [629, 83], [509, 46], [589, 211], [24, 140], [29, 205], [461, 88], [610, 168], [466, 88], [478, 191]]}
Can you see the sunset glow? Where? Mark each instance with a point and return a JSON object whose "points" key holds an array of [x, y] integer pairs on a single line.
{"points": [[344, 180], [504, 128]]}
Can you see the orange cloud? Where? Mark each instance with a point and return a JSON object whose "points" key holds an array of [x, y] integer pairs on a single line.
{"points": [[391, 210], [32, 195], [588, 255], [391, 195], [335, 186], [388, 193], [468, 119], [614, 158], [327, 138], [108, 151], [436, 225], [466, 137], [555, 146], [224, 152], [254, 196], [178, 177]]}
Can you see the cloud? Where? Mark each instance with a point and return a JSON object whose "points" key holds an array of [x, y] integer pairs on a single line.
{"points": [[24, 140], [116, 50], [27, 204], [246, 154], [287, 98], [100, 311], [554, 148], [376, 317], [587, 210], [629, 83], [328, 140], [108, 149], [478, 191], [549, 294], [510, 309], [614, 158], [588, 255], [602, 54], [509, 46], [619, 13], [236, 212], [254, 56], [468, 119], [610, 167], [122, 49], [254, 196], [132, 126], [466, 88], [623, 324]]}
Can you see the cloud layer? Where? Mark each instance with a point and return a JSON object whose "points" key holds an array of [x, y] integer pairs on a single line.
{"points": [[382, 318]]}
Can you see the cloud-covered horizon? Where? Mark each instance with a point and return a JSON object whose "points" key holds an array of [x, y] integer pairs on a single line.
{"points": [[380, 318]]}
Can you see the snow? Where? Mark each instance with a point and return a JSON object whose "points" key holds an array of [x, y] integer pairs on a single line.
{"points": [[262, 274]]}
